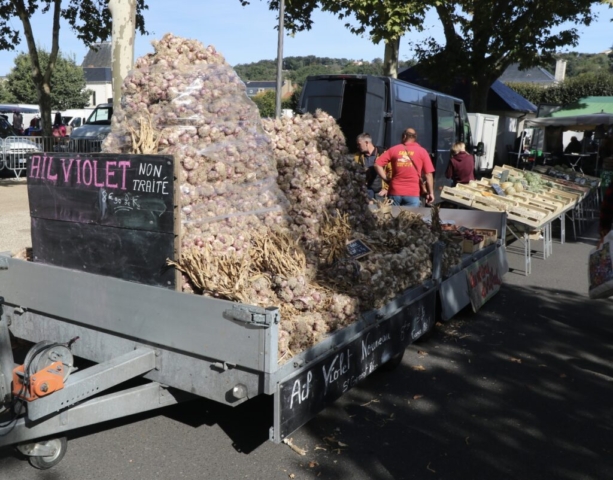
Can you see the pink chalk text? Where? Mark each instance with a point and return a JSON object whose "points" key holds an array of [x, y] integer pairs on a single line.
{"points": [[113, 175]]}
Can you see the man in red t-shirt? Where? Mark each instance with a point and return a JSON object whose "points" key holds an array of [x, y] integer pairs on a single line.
{"points": [[409, 162]]}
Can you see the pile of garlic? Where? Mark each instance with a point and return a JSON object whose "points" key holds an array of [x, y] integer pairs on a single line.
{"points": [[197, 106], [228, 192], [242, 180], [317, 173]]}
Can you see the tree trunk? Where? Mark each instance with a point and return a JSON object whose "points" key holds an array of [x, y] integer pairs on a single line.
{"points": [[44, 103], [479, 91], [124, 31], [42, 80], [390, 60]]}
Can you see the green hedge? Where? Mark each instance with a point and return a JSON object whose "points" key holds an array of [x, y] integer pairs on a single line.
{"points": [[569, 91]]}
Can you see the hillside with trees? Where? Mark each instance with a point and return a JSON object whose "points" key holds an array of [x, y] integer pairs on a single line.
{"points": [[297, 69], [584, 63]]}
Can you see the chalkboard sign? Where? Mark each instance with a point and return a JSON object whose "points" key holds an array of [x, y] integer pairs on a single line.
{"points": [[309, 392], [111, 214], [504, 176], [357, 249]]}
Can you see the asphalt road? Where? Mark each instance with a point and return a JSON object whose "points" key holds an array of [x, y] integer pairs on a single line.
{"points": [[519, 390]]}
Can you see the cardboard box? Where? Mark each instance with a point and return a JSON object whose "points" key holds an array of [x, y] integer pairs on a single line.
{"points": [[469, 247], [489, 235]]}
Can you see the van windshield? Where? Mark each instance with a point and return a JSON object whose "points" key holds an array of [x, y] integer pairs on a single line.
{"points": [[100, 116]]}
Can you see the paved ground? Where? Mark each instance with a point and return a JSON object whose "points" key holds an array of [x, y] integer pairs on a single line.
{"points": [[14, 215], [520, 390]]}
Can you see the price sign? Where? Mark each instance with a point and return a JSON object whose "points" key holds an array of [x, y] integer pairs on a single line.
{"points": [[357, 249], [499, 191]]}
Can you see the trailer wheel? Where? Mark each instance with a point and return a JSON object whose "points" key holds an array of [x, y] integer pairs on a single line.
{"points": [[43, 463], [393, 363]]}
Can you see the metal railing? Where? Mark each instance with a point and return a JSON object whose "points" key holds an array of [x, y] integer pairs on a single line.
{"points": [[15, 150]]}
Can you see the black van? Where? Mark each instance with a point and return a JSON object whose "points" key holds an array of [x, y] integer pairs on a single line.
{"points": [[384, 107]]}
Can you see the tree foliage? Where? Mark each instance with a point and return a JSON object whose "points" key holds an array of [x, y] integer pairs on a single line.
{"points": [[89, 19], [296, 69], [266, 102], [380, 20], [581, 63], [481, 37], [477, 48], [5, 95], [67, 82]]}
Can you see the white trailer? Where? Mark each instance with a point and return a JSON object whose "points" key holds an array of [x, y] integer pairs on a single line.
{"points": [[485, 130]]}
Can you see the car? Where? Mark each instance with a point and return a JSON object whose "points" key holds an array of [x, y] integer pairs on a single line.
{"points": [[15, 149], [88, 138]]}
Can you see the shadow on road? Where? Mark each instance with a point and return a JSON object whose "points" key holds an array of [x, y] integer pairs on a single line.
{"points": [[524, 393]]}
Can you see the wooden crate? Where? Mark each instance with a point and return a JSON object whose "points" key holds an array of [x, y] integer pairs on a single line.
{"points": [[552, 209], [522, 197], [468, 188], [559, 204], [485, 182], [566, 201], [457, 196], [514, 173], [503, 202], [573, 198], [483, 203], [533, 217]]}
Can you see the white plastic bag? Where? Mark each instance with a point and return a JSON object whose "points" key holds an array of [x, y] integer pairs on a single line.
{"points": [[600, 269]]}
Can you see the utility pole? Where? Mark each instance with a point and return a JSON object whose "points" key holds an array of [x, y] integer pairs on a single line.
{"points": [[280, 60]]}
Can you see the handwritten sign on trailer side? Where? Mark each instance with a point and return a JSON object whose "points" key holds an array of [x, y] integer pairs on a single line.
{"points": [[132, 191], [109, 214], [307, 393]]}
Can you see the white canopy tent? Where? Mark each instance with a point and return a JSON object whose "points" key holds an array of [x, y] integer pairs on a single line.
{"points": [[578, 123], [19, 107]]}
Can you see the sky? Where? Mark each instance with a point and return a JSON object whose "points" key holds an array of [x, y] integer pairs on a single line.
{"points": [[248, 34]]}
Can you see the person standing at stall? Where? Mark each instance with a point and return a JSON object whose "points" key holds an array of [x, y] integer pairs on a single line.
{"points": [[410, 162], [18, 122], [461, 167], [366, 157], [574, 146]]}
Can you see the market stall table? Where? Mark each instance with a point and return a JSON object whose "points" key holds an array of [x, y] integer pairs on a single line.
{"points": [[574, 160]]}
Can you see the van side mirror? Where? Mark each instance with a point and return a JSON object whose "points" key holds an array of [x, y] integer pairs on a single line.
{"points": [[480, 149]]}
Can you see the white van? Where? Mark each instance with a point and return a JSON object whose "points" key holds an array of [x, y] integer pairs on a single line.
{"points": [[76, 117], [97, 126]]}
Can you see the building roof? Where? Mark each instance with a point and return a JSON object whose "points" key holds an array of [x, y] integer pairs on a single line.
{"points": [[503, 98], [98, 75], [585, 106], [100, 56], [536, 75], [270, 84]]}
